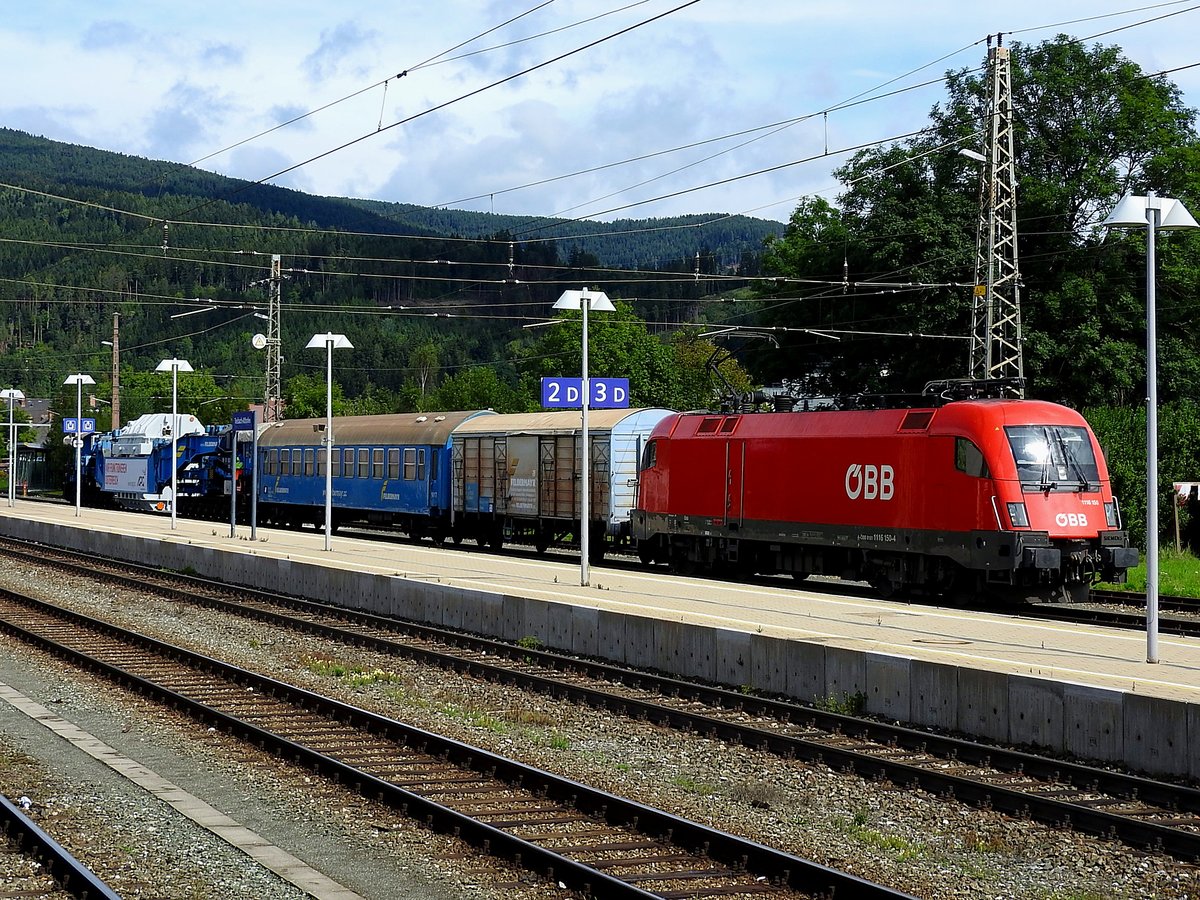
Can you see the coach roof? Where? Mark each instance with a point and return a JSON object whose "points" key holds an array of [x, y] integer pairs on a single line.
{"points": [[430, 429], [547, 422]]}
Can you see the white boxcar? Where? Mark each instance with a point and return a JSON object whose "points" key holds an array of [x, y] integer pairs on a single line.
{"points": [[519, 476]]}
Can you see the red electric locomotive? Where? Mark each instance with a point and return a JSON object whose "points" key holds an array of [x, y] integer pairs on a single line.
{"points": [[972, 498]]}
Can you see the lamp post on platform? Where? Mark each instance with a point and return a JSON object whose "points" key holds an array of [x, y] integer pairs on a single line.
{"points": [[584, 300], [79, 380], [174, 366], [12, 395], [330, 342], [1157, 214]]}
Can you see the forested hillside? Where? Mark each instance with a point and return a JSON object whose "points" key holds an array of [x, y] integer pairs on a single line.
{"points": [[425, 294]]}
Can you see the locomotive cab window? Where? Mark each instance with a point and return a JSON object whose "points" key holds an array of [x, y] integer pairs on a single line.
{"points": [[1053, 457], [969, 459], [650, 455]]}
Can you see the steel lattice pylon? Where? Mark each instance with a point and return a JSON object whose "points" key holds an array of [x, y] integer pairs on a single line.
{"points": [[996, 311], [273, 393]]}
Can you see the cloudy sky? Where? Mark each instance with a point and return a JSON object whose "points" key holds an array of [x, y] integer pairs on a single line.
{"points": [[581, 108]]}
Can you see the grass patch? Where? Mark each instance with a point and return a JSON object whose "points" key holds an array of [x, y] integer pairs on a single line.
{"points": [[847, 704], [901, 848], [692, 786], [352, 674], [1178, 575], [328, 667]]}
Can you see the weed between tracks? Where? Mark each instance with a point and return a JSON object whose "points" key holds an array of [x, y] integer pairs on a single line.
{"points": [[531, 723]]}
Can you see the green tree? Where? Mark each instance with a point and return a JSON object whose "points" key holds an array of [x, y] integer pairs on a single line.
{"points": [[1088, 126], [304, 397]]}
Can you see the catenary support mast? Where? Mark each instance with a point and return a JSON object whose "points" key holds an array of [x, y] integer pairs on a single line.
{"points": [[273, 392], [996, 312]]}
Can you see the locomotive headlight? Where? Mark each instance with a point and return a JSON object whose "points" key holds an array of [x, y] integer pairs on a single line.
{"points": [[1110, 515], [1018, 515]]}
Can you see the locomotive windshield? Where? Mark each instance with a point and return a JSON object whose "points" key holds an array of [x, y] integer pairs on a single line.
{"points": [[1053, 458]]}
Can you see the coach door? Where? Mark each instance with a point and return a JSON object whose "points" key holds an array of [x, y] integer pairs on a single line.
{"points": [[600, 477], [557, 465]]}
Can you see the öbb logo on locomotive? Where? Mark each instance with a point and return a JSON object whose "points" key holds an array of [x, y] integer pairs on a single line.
{"points": [[870, 482], [1075, 520]]}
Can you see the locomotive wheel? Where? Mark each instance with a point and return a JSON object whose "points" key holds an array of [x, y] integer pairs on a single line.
{"points": [[646, 553]]}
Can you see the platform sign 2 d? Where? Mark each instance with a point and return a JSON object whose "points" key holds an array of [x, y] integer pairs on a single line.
{"points": [[567, 393], [243, 421], [73, 425]]}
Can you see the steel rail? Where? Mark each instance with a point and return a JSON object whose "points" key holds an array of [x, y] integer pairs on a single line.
{"points": [[774, 867], [68, 872], [872, 749]]}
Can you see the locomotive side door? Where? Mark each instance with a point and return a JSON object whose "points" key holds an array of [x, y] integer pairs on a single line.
{"points": [[735, 482]]}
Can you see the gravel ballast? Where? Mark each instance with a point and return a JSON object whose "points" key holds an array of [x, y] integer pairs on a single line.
{"points": [[908, 839]]}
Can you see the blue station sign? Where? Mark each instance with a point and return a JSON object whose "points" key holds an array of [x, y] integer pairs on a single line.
{"points": [[244, 421], [73, 425], [567, 393]]}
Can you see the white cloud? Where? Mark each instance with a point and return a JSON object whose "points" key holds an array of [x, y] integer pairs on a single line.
{"points": [[183, 81]]}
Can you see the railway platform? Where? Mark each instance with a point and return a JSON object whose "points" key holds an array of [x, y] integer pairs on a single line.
{"points": [[1059, 688]]}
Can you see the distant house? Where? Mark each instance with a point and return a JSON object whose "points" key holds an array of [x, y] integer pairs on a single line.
{"points": [[33, 471]]}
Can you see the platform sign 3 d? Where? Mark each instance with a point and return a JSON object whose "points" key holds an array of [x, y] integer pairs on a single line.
{"points": [[73, 425], [567, 393]]}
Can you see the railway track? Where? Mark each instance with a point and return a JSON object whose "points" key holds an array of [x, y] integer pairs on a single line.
{"points": [[592, 841], [1139, 811], [26, 839], [1124, 609]]}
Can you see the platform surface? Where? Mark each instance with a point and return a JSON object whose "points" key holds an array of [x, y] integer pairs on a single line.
{"points": [[1079, 654]]}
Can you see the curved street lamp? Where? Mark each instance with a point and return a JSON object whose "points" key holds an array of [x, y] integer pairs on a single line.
{"points": [[174, 366], [1157, 214], [79, 381], [330, 342]]}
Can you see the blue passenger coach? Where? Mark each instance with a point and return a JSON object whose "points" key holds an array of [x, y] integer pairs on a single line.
{"points": [[389, 470]]}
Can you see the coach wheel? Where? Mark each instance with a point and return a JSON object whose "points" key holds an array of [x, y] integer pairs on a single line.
{"points": [[646, 553], [495, 540], [799, 576], [541, 540], [457, 538]]}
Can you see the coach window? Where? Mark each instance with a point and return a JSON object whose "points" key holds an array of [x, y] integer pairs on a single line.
{"points": [[309, 466], [377, 463], [270, 462], [410, 463], [393, 463], [321, 454], [348, 464], [285, 462], [421, 464], [969, 458], [364, 463], [337, 464]]}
